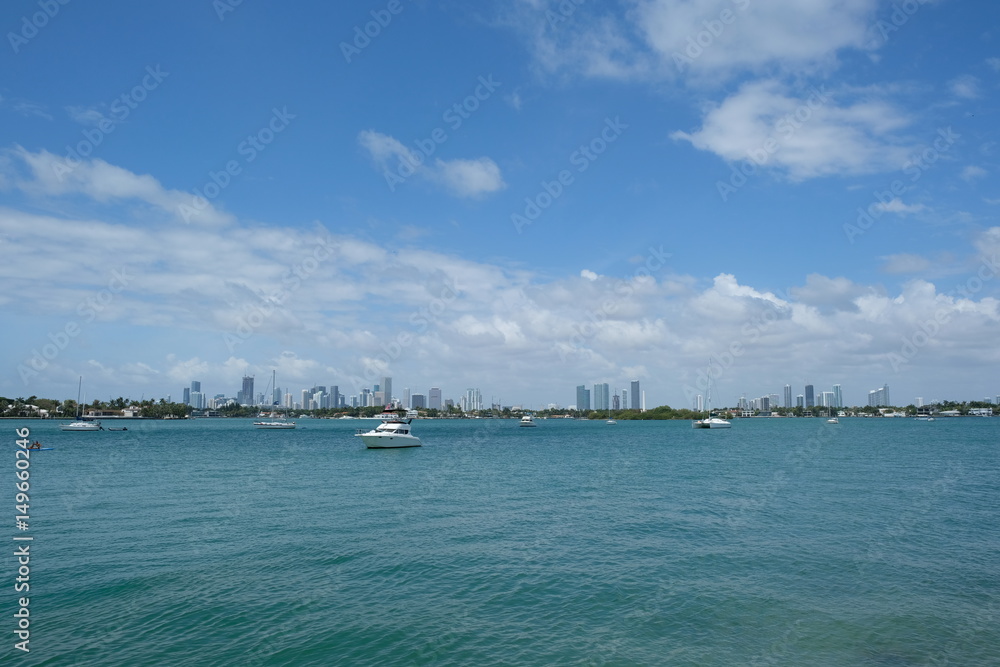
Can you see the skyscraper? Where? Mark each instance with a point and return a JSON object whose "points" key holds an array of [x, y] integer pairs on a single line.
{"points": [[582, 398], [601, 396], [788, 395], [879, 397], [387, 390], [838, 397], [245, 395], [434, 398], [634, 395], [810, 396]]}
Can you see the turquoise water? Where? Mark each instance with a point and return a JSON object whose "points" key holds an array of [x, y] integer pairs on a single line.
{"points": [[791, 542]]}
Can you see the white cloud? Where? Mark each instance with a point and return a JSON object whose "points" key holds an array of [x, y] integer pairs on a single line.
{"points": [[722, 37], [804, 134], [906, 263], [52, 176], [965, 87], [897, 206], [704, 43], [461, 177], [469, 178], [994, 63], [972, 173], [431, 318], [84, 115]]}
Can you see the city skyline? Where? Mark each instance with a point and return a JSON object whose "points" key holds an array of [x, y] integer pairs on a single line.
{"points": [[521, 196]]}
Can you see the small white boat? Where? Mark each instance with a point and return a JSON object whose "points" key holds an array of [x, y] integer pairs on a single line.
{"points": [[711, 422], [832, 420], [81, 426], [924, 419], [390, 434], [278, 424], [527, 420]]}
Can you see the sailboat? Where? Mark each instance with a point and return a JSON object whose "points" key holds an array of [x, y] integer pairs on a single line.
{"points": [[274, 424], [610, 420], [80, 424], [710, 421]]}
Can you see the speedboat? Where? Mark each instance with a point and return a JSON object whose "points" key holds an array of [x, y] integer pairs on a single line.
{"points": [[274, 425], [711, 422], [81, 426], [390, 434], [527, 420]]}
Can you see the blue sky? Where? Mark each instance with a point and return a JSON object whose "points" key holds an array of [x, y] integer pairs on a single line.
{"points": [[516, 196]]}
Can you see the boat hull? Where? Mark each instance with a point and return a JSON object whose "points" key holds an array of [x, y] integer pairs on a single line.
{"points": [[389, 441], [273, 426], [80, 426], [711, 423]]}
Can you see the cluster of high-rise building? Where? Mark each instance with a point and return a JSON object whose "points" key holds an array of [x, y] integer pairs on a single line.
{"points": [[323, 396], [810, 398], [601, 398]]}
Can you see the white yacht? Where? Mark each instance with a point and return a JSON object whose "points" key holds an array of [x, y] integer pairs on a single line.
{"points": [[81, 426], [392, 433], [711, 421], [527, 420], [277, 424]]}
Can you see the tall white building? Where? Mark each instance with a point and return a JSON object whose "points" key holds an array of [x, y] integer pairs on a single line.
{"points": [[434, 398], [472, 401]]}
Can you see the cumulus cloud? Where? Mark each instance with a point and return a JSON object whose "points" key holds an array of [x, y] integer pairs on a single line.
{"points": [[213, 303], [703, 43], [804, 134]]}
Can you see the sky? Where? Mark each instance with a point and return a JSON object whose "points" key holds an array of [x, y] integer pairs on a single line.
{"points": [[519, 196]]}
